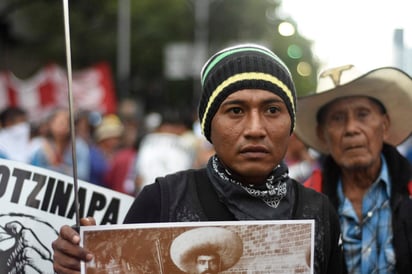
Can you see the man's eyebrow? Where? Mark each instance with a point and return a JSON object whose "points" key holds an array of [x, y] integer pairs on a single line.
{"points": [[244, 101]]}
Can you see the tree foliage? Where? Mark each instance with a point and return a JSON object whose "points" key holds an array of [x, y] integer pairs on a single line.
{"points": [[32, 34]]}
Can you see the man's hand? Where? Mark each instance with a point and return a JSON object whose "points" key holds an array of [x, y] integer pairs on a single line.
{"points": [[67, 251]]}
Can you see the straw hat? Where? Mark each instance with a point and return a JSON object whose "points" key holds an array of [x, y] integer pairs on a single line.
{"points": [[110, 127], [390, 86], [203, 241]]}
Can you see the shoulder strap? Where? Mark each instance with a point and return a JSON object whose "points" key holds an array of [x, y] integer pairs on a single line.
{"points": [[213, 208], [164, 200]]}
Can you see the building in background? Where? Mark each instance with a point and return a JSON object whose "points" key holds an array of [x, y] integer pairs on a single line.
{"points": [[403, 60], [402, 52]]}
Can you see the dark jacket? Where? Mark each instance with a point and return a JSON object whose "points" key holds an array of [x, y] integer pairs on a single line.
{"points": [[176, 198], [400, 172]]}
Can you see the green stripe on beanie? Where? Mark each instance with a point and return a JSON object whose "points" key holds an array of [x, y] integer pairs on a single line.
{"points": [[246, 66], [224, 53]]}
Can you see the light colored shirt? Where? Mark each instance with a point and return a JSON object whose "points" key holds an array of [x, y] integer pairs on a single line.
{"points": [[39, 158], [161, 154], [14, 142], [367, 244]]}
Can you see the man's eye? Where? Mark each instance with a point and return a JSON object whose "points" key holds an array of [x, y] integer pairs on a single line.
{"points": [[273, 109], [337, 118], [363, 114], [236, 110]]}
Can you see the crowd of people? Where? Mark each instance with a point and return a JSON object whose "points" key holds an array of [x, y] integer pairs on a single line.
{"points": [[106, 144], [264, 154]]}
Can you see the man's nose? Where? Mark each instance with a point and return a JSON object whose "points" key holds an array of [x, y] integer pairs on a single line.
{"points": [[352, 124], [254, 125]]}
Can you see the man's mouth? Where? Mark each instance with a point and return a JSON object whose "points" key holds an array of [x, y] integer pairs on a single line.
{"points": [[254, 149], [353, 147], [254, 152]]}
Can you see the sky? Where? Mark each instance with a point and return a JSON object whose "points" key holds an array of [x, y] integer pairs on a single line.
{"points": [[359, 32]]}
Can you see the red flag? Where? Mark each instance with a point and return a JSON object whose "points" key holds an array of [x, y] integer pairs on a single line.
{"points": [[93, 89]]}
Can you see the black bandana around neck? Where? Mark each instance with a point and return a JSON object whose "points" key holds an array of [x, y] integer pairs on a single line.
{"points": [[270, 201]]}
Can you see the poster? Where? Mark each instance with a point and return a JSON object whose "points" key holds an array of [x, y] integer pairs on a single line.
{"points": [[264, 247], [35, 203]]}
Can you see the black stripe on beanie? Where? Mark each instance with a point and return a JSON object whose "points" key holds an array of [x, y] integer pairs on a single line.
{"points": [[243, 67]]}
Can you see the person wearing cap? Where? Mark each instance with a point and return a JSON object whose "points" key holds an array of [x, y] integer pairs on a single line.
{"points": [[247, 111], [356, 120], [206, 250], [106, 142]]}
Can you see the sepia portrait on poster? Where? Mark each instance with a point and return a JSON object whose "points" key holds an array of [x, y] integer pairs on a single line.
{"points": [[224, 247]]}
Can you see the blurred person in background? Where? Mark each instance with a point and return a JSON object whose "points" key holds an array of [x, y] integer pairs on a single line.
{"points": [[86, 122], [406, 149], [14, 134], [169, 148], [130, 113], [106, 141], [122, 173], [122, 170], [300, 160], [38, 135], [56, 151]]}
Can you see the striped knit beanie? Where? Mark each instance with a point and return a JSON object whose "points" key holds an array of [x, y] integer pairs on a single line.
{"points": [[246, 66]]}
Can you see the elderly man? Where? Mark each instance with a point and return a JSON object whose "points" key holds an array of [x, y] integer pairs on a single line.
{"points": [[356, 120], [247, 111], [206, 250]]}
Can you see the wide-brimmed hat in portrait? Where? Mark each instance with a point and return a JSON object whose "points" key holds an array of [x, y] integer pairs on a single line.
{"points": [[389, 85], [203, 241]]}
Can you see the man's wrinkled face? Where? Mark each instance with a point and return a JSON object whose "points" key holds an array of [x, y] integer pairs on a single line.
{"points": [[353, 129], [207, 264], [250, 133]]}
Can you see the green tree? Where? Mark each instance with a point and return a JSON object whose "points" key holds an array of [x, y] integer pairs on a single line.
{"points": [[32, 35]]}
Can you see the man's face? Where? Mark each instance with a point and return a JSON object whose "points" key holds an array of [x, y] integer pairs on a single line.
{"points": [[207, 264], [250, 133], [353, 130]]}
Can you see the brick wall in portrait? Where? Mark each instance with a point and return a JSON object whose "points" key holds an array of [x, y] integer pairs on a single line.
{"points": [[273, 249]]}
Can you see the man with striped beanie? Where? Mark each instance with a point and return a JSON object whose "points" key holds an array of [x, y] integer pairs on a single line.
{"points": [[247, 111], [243, 67]]}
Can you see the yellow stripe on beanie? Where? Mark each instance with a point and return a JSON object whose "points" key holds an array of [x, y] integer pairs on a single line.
{"points": [[247, 76]]}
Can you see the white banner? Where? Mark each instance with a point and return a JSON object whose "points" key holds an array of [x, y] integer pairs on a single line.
{"points": [[35, 203]]}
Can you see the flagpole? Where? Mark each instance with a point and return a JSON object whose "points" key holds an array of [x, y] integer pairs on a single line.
{"points": [[70, 95]]}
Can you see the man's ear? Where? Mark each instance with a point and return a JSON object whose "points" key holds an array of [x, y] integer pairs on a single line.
{"points": [[319, 133], [386, 123], [321, 136]]}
